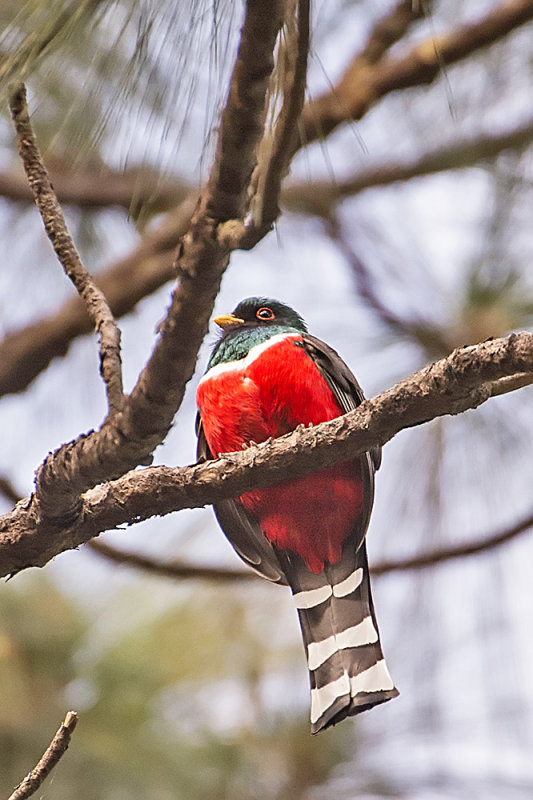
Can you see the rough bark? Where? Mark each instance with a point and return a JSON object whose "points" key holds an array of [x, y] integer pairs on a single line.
{"points": [[463, 380]]}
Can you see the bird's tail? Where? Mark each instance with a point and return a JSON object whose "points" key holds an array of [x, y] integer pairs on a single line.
{"points": [[346, 666]]}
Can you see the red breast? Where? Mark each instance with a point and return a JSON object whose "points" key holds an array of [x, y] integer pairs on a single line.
{"points": [[269, 393]]}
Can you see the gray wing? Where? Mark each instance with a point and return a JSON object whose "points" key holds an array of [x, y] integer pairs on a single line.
{"points": [[340, 379], [349, 395], [241, 529]]}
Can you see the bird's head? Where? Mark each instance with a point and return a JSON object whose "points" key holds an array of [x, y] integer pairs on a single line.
{"points": [[260, 312], [254, 320]]}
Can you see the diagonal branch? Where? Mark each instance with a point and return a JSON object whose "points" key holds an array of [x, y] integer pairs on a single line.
{"points": [[463, 380], [319, 197], [392, 27], [362, 85], [55, 750], [25, 353], [57, 231], [128, 438]]}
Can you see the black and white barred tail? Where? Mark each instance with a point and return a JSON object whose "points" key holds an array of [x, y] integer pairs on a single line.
{"points": [[347, 670]]}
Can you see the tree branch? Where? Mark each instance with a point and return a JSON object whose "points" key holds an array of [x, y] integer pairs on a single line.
{"points": [[184, 571], [463, 380], [203, 254], [319, 197], [55, 750], [392, 27], [57, 231], [8, 490], [445, 554], [24, 354], [135, 190], [272, 169], [169, 569], [129, 437], [362, 85], [243, 120]]}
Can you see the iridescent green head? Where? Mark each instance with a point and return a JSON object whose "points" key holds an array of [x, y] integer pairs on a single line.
{"points": [[253, 321]]}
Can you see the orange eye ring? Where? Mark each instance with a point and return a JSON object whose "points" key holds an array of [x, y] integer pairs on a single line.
{"points": [[265, 314]]}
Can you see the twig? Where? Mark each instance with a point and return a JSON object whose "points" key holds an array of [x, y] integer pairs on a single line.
{"points": [[463, 380], [55, 750], [8, 490], [183, 571], [511, 383], [57, 231], [266, 200], [458, 551], [173, 569], [391, 28]]}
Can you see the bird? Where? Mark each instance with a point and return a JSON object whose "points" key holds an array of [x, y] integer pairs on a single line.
{"points": [[267, 376]]}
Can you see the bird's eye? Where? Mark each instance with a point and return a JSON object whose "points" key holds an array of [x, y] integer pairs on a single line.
{"points": [[265, 314]]}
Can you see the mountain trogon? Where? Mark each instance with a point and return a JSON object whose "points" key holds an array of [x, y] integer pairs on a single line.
{"points": [[266, 376]]}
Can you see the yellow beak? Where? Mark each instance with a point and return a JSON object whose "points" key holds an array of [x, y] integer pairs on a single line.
{"points": [[227, 319]]}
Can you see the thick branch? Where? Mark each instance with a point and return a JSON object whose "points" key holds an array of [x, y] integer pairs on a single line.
{"points": [[26, 353], [57, 231], [202, 259], [129, 437], [243, 120], [463, 380], [56, 749]]}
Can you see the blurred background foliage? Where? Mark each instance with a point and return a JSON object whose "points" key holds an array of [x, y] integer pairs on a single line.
{"points": [[199, 690], [156, 684], [163, 693]]}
